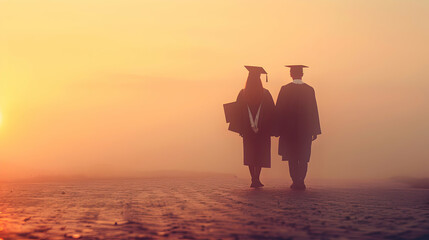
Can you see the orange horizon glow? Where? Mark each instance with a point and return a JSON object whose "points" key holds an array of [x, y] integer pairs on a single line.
{"points": [[122, 87]]}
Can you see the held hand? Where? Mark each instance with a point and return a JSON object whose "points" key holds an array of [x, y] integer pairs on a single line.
{"points": [[314, 137]]}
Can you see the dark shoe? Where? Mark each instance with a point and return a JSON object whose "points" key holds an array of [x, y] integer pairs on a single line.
{"points": [[256, 184], [300, 186]]}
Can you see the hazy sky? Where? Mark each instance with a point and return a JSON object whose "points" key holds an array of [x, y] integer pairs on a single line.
{"points": [[109, 88]]}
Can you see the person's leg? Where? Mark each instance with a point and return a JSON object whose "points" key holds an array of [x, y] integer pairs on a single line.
{"points": [[303, 168], [303, 162], [301, 171], [257, 174], [252, 172], [293, 171]]}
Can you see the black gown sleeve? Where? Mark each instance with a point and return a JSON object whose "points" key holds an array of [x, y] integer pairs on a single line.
{"points": [[280, 112], [270, 113], [237, 126], [315, 116]]}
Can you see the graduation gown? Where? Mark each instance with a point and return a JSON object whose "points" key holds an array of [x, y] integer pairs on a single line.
{"points": [[256, 146], [297, 121]]}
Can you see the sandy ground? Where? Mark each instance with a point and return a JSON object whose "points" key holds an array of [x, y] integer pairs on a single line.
{"points": [[210, 208]]}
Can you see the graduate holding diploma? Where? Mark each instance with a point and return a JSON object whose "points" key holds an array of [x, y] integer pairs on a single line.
{"points": [[252, 116]]}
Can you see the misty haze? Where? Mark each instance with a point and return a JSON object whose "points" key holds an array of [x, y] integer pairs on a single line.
{"points": [[114, 110]]}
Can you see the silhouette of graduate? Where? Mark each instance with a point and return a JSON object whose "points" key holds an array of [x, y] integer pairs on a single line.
{"points": [[297, 124], [252, 116]]}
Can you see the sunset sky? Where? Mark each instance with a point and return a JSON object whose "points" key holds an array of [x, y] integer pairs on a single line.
{"points": [[122, 87]]}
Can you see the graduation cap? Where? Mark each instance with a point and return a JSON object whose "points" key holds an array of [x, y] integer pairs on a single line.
{"points": [[257, 70], [296, 68]]}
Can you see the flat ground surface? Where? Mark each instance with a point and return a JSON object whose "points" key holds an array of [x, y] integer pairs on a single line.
{"points": [[210, 208]]}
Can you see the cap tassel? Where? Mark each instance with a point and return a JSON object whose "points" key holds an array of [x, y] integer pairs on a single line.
{"points": [[266, 77]]}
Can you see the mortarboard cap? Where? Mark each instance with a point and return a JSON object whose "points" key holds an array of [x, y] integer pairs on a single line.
{"points": [[257, 70], [296, 68]]}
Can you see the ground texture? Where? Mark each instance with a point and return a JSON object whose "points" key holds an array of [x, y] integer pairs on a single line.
{"points": [[210, 208]]}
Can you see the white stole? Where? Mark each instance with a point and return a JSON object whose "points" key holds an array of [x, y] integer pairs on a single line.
{"points": [[254, 122]]}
